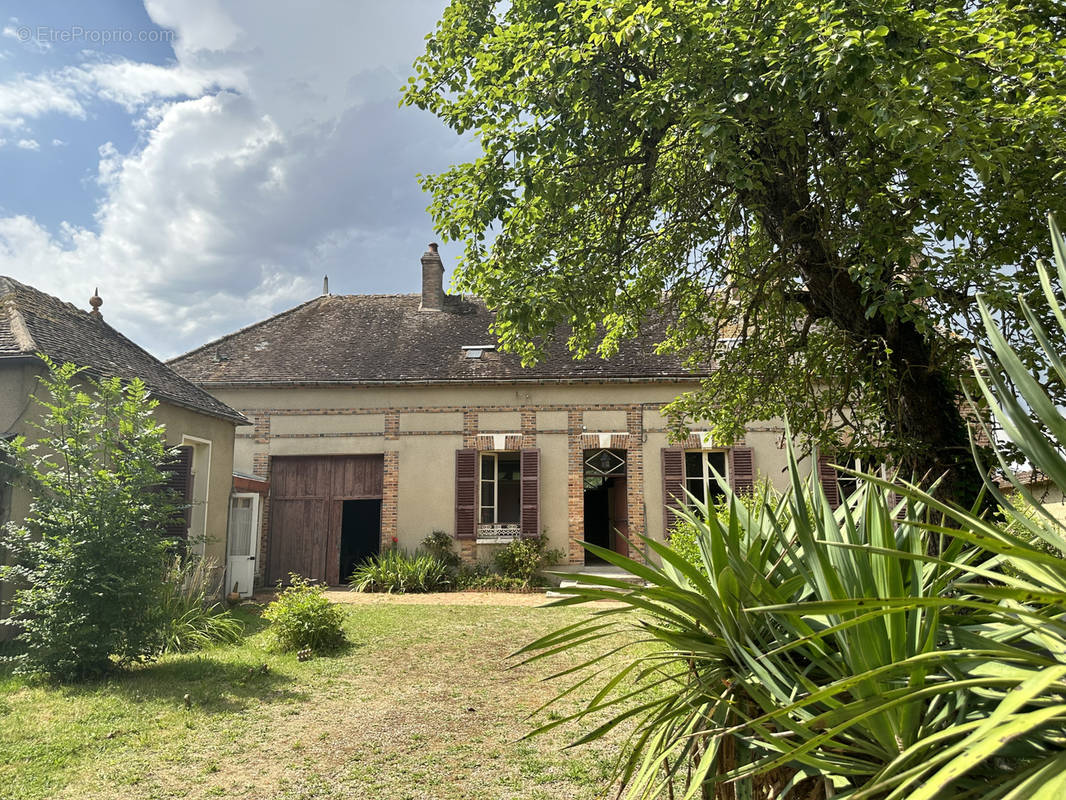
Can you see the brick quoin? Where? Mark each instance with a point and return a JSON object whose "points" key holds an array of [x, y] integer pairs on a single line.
{"points": [[390, 493], [575, 487], [635, 479]]}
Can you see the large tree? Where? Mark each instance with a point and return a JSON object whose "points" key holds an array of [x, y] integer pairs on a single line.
{"points": [[812, 192]]}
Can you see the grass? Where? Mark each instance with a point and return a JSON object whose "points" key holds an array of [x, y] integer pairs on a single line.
{"points": [[421, 705]]}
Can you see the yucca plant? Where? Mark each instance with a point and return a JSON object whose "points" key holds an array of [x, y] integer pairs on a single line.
{"points": [[820, 652], [775, 667]]}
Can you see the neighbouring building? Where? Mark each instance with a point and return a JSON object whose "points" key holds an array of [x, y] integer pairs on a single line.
{"points": [[377, 419], [199, 426]]}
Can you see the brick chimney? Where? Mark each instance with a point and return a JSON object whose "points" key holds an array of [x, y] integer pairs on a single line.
{"points": [[432, 280]]}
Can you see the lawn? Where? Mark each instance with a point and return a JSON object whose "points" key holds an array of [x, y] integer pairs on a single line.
{"points": [[422, 705]]}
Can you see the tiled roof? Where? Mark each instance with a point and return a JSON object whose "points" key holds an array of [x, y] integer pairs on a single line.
{"points": [[386, 338], [33, 322]]}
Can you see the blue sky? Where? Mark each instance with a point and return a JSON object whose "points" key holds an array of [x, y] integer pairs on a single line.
{"points": [[205, 162]]}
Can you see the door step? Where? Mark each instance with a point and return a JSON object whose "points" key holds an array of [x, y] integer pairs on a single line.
{"points": [[632, 580]]}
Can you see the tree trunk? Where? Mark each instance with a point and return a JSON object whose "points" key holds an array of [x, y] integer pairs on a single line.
{"points": [[925, 407]]}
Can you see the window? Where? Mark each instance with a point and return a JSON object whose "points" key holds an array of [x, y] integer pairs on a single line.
{"points": [[601, 465], [700, 468], [501, 489]]}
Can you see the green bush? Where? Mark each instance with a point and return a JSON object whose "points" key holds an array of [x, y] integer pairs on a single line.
{"points": [[442, 547], [397, 572], [524, 558], [190, 619], [87, 562], [303, 617]]}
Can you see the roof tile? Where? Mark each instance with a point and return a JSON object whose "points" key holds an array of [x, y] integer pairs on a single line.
{"points": [[386, 338], [33, 322]]}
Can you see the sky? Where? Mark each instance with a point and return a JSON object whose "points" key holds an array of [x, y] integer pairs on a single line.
{"points": [[206, 162]]}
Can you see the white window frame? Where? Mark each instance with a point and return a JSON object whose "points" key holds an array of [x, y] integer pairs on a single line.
{"points": [[494, 531], [200, 475], [707, 478]]}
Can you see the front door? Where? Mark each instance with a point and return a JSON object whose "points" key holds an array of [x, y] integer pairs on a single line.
{"points": [[243, 543]]}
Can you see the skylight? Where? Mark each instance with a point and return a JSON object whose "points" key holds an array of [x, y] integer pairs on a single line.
{"points": [[476, 350]]}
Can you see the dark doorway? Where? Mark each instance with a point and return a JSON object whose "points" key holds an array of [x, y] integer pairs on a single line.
{"points": [[597, 520], [605, 496], [360, 534]]}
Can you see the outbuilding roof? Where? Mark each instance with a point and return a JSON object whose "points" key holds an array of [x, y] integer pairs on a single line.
{"points": [[389, 339], [33, 322]]}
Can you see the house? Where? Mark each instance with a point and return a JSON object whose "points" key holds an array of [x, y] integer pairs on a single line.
{"points": [[197, 424], [378, 419], [1043, 490]]}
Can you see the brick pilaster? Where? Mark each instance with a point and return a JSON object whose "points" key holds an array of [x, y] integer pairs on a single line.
{"points": [[261, 467], [575, 488], [529, 428], [261, 428], [635, 478], [390, 486], [392, 426], [470, 428]]}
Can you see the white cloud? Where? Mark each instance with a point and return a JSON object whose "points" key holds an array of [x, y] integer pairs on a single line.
{"points": [[70, 90], [272, 151], [28, 144], [58, 143]]}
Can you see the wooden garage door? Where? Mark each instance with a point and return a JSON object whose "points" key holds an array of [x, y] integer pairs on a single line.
{"points": [[306, 498]]}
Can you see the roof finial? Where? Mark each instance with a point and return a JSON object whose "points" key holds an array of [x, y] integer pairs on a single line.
{"points": [[96, 301], [325, 284]]}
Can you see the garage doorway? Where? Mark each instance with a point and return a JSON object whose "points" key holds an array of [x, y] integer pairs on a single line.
{"points": [[360, 534], [308, 495]]}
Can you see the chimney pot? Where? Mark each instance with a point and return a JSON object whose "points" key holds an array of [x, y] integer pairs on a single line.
{"points": [[432, 280]]}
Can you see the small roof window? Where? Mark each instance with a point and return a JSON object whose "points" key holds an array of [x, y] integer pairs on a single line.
{"points": [[476, 350]]}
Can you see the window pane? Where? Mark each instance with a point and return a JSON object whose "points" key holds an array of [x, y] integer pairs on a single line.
{"points": [[695, 487], [488, 496], [716, 462], [486, 516], [694, 464], [509, 468], [509, 509], [508, 498], [240, 527], [488, 467]]}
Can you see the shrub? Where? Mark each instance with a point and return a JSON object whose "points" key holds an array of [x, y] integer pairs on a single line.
{"points": [[302, 617], [442, 547], [190, 619], [87, 562], [524, 558], [396, 571], [484, 580]]}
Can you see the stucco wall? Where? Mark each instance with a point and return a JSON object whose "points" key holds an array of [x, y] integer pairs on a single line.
{"points": [[188, 427], [425, 425], [17, 382]]}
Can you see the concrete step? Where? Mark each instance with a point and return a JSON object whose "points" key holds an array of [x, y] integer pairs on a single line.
{"points": [[632, 580]]}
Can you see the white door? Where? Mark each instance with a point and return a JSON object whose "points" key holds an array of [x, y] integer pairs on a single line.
{"points": [[243, 543]]}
